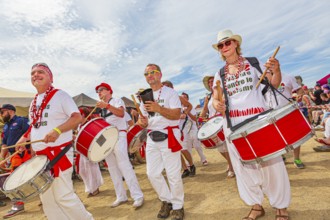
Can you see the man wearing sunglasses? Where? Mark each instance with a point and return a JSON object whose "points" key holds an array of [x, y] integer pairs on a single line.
{"points": [[53, 116], [113, 111], [163, 149], [15, 127]]}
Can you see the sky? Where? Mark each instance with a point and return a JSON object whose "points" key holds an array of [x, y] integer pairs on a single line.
{"points": [[86, 42]]}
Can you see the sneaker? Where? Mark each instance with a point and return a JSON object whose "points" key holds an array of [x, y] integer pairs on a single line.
{"points": [[323, 148], [319, 127], [177, 214], [138, 203], [117, 203], [165, 210], [299, 164], [15, 210], [205, 163], [185, 173], [192, 170]]}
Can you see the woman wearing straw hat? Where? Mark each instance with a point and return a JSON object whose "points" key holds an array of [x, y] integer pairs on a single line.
{"points": [[240, 80], [208, 108]]}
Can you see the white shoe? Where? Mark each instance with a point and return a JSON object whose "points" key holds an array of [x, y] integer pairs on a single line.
{"points": [[231, 174], [117, 203], [138, 203]]}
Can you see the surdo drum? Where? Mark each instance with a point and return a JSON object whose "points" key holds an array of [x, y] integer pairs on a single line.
{"points": [[211, 133], [96, 139], [271, 135], [136, 137]]}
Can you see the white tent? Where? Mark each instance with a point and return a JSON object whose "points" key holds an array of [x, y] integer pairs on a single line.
{"points": [[16, 98]]}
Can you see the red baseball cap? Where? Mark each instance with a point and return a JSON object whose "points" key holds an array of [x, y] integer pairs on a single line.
{"points": [[105, 85]]}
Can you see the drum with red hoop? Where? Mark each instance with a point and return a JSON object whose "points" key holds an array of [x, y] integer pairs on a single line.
{"points": [[96, 139], [271, 135], [211, 133], [136, 137]]}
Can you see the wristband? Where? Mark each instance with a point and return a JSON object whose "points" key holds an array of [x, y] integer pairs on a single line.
{"points": [[57, 130], [108, 106]]}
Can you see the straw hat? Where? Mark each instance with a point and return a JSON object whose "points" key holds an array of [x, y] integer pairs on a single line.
{"points": [[206, 82], [225, 35]]}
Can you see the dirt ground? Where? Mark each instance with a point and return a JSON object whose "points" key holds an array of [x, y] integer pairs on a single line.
{"points": [[209, 195]]}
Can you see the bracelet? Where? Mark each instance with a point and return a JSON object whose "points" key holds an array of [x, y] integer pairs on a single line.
{"points": [[57, 130], [108, 106]]}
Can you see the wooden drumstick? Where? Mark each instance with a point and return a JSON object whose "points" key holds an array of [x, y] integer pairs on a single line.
{"points": [[5, 160], [24, 143], [137, 106], [219, 94], [92, 111], [264, 73]]}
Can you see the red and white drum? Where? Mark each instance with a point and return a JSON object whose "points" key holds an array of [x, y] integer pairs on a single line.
{"points": [[136, 137], [96, 139], [211, 133], [271, 135]]}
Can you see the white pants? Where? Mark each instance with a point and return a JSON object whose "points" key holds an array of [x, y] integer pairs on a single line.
{"points": [[119, 166], [60, 201], [327, 128], [90, 173], [159, 157], [253, 181], [190, 140]]}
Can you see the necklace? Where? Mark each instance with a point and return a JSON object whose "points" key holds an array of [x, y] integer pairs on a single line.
{"points": [[240, 61], [159, 94], [36, 113]]}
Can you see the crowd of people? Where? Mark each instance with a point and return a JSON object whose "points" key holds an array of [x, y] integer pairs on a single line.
{"points": [[172, 126]]}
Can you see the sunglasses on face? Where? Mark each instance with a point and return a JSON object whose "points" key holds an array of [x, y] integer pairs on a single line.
{"points": [[100, 90], [227, 43], [40, 64], [152, 72]]}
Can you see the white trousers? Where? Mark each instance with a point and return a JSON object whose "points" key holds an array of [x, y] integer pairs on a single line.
{"points": [[253, 181], [327, 128], [90, 173], [190, 140], [160, 157], [119, 166], [60, 201]]}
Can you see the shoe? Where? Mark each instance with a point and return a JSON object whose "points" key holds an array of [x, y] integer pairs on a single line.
{"points": [[230, 175], [205, 163], [93, 193], [280, 216], [299, 164], [117, 203], [165, 210], [2, 203], [258, 216], [177, 214], [192, 170], [319, 127], [15, 210], [323, 148], [185, 173], [138, 203]]}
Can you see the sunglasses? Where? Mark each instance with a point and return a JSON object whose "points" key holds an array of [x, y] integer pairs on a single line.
{"points": [[100, 90], [221, 45], [40, 64], [152, 72]]}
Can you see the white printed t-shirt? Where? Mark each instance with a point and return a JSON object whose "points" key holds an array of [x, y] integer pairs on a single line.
{"points": [[114, 120]]}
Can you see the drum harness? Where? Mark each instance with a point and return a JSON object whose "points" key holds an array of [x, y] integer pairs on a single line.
{"points": [[255, 63]]}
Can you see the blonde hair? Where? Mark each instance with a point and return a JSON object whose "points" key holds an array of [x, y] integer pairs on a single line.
{"points": [[238, 50]]}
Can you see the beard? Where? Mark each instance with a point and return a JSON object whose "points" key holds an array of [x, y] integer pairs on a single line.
{"points": [[6, 118]]}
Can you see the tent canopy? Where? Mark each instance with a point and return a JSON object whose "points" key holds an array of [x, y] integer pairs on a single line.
{"points": [[128, 103], [84, 100], [16, 98]]}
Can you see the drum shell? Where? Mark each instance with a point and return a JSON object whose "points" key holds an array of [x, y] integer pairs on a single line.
{"points": [[136, 137], [212, 138]]}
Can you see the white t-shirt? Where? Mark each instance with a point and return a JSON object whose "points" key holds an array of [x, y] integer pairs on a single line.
{"points": [[114, 120], [58, 110], [287, 86], [243, 96], [127, 118], [210, 107], [168, 98]]}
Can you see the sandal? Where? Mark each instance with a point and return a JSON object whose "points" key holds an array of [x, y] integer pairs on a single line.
{"points": [[93, 193], [285, 217], [259, 210]]}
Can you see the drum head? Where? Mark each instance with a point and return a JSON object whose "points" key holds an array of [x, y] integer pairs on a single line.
{"points": [[103, 144], [25, 172], [210, 128]]}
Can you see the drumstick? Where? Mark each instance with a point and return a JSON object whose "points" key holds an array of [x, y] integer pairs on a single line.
{"points": [[24, 143], [92, 111], [137, 106], [219, 94], [5, 160], [264, 73]]}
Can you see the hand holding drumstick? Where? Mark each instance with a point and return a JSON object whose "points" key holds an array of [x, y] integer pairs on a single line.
{"points": [[142, 121]]}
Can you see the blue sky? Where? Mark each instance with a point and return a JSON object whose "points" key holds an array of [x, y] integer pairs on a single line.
{"points": [[87, 42]]}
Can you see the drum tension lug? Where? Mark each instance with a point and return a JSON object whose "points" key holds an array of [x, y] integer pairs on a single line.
{"points": [[259, 160], [289, 148], [244, 134], [272, 120]]}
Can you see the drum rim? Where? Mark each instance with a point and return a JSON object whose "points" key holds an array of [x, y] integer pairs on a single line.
{"points": [[135, 137], [216, 132]]}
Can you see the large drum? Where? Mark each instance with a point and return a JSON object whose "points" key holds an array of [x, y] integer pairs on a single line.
{"points": [[211, 133], [136, 137], [96, 139], [271, 135], [29, 179]]}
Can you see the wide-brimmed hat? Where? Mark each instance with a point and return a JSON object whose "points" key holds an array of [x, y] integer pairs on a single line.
{"points": [[206, 82], [225, 35], [139, 92]]}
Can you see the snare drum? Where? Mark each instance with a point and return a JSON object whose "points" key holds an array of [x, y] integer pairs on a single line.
{"points": [[211, 133], [96, 139], [29, 179], [136, 137], [271, 135]]}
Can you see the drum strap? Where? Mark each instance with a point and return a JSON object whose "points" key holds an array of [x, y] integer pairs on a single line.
{"points": [[104, 113]]}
